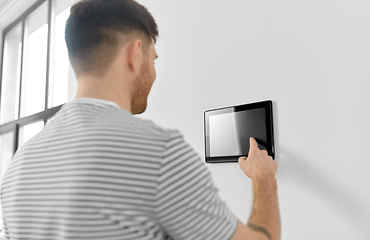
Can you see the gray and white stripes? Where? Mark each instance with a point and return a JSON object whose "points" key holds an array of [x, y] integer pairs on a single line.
{"points": [[97, 172]]}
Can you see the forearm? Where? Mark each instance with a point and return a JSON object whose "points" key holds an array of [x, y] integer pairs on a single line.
{"points": [[265, 216]]}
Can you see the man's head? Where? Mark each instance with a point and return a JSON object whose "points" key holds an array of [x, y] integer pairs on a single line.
{"points": [[96, 32]]}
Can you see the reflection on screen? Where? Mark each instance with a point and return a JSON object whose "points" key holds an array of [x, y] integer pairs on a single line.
{"points": [[229, 133]]}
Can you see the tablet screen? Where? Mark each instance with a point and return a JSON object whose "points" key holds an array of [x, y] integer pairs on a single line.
{"points": [[228, 130], [229, 133]]}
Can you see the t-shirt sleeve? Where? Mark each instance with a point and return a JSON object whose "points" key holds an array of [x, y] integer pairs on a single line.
{"points": [[187, 203]]}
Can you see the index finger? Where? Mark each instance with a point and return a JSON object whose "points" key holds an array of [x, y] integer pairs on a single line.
{"points": [[253, 145]]}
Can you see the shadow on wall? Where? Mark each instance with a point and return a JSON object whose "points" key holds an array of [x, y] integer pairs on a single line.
{"points": [[294, 167]]}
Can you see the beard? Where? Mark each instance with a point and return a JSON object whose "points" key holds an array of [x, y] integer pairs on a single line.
{"points": [[141, 90]]}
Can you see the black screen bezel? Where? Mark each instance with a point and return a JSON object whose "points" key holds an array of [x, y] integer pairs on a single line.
{"points": [[267, 105]]}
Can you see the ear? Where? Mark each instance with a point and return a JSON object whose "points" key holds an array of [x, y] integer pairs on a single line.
{"points": [[135, 55]]}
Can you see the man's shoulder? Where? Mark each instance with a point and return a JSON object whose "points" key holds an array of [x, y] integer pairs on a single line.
{"points": [[93, 116], [151, 126]]}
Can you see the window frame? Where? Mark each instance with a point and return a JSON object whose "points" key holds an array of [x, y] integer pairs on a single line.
{"points": [[47, 113]]}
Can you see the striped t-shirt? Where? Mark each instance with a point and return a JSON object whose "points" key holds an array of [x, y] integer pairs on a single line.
{"points": [[97, 172]]}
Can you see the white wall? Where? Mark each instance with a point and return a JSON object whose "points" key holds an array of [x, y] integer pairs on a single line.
{"points": [[312, 58]]}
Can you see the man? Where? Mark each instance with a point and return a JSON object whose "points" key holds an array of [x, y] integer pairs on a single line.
{"points": [[98, 172]]}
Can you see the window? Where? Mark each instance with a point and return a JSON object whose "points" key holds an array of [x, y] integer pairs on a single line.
{"points": [[59, 88], [6, 153], [34, 61], [62, 80], [36, 77], [12, 49], [28, 131]]}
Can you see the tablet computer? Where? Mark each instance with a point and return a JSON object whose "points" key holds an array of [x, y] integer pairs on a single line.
{"points": [[227, 131]]}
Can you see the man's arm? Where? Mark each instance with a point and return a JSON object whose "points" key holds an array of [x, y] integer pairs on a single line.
{"points": [[264, 222]]}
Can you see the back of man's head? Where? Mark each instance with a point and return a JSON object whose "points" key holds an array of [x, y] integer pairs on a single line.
{"points": [[97, 28]]}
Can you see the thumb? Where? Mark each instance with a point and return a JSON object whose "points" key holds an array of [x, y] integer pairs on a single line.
{"points": [[253, 144]]}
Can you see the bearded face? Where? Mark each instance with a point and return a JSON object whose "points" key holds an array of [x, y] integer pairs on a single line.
{"points": [[141, 89]]}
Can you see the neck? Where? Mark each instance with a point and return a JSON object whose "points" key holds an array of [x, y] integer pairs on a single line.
{"points": [[93, 87]]}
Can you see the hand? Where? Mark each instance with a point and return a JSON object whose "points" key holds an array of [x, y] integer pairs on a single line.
{"points": [[258, 165]]}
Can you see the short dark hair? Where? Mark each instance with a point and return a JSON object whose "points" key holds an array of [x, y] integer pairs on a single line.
{"points": [[95, 29]]}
